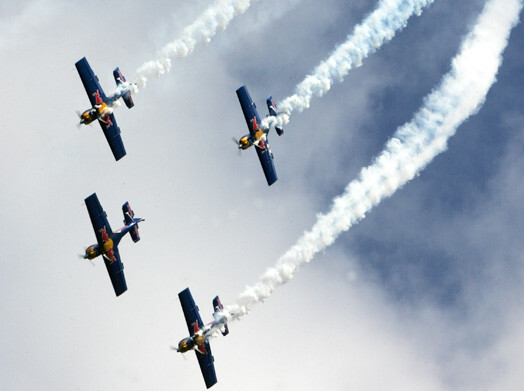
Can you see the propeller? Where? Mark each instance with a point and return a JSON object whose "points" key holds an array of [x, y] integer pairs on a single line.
{"points": [[176, 350], [237, 143], [82, 256], [78, 125]]}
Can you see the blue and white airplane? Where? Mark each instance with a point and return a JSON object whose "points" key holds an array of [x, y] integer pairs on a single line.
{"points": [[199, 334], [258, 133], [101, 109], [107, 240]]}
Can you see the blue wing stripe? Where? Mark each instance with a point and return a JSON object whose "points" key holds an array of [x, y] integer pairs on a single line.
{"points": [[248, 108], [266, 160], [190, 310], [89, 80], [116, 273], [98, 217], [207, 367], [112, 133]]}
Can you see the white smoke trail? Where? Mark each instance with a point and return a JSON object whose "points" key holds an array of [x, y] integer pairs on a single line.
{"points": [[214, 18], [376, 29], [460, 94]]}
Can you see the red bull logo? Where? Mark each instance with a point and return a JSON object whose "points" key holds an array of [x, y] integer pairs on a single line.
{"points": [[98, 98], [107, 245], [254, 122]]}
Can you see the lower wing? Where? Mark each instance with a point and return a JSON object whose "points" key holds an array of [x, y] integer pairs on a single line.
{"points": [[266, 160], [115, 268], [112, 133], [206, 365]]}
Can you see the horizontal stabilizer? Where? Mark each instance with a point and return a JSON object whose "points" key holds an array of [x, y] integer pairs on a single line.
{"points": [[217, 305], [128, 219], [273, 111], [120, 79]]}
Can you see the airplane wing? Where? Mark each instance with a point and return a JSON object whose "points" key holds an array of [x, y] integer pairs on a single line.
{"points": [[103, 231], [266, 160], [112, 133], [207, 366], [192, 316], [249, 109], [190, 309], [98, 218], [116, 273], [90, 82]]}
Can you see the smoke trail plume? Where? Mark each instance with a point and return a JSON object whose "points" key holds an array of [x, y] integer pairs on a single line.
{"points": [[461, 93], [377, 28], [214, 18]]}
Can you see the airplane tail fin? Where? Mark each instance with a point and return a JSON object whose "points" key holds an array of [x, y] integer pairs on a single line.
{"points": [[129, 218], [120, 79], [217, 305], [273, 111]]}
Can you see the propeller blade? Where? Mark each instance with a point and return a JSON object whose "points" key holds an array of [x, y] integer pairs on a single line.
{"points": [[237, 143], [82, 256]]}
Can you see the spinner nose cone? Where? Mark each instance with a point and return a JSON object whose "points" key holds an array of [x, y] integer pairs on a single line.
{"points": [[183, 346], [244, 143], [90, 253]]}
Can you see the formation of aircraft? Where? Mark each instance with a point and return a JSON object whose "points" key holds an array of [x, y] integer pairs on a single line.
{"points": [[199, 334], [107, 240], [101, 105], [258, 133]]}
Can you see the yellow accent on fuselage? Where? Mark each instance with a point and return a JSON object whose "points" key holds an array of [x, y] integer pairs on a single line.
{"points": [[259, 134], [200, 339], [108, 245], [103, 109], [98, 111]]}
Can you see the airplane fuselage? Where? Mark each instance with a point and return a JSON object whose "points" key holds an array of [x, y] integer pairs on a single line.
{"points": [[197, 340], [109, 242], [247, 141], [99, 111], [94, 250]]}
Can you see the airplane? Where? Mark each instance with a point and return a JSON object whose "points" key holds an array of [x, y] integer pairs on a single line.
{"points": [[101, 109], [258, 132], [107, 240], [198, 339]]}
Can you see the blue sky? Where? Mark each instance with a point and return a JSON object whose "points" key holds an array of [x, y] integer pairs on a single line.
{"points": [[424, 293]]}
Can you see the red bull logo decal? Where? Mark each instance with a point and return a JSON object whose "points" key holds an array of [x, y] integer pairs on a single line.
{"points": [[195, 327], [108, 121], [254, 122], [98, 98], [130, 211], [202, 348], [107, 245]]}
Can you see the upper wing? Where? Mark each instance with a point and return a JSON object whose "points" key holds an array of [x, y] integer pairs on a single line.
{"points": [[112, 133], [116, 272], [98, 218], [249, 109], [190, 309], [90, 81], [206, 366], [266, 160]]}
